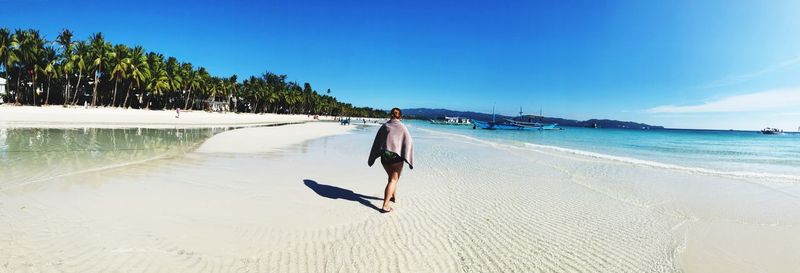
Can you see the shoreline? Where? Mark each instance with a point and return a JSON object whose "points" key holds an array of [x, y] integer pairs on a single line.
{"points": [[77, 117], [270, 138]]}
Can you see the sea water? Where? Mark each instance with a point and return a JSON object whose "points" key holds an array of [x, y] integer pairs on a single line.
{"points": [[734, 152], [31, 155]]}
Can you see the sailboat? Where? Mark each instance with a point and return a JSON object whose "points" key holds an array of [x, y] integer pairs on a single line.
{"points": [[494, 125], [529, 121]]}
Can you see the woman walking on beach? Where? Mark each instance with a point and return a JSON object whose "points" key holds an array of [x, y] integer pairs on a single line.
{"points": [[393, 145]]}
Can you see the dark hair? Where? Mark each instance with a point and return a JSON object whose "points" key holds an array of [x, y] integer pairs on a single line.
{"points": [[400, 112]]}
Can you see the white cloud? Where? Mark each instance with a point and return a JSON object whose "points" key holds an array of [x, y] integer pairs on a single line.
{"points": [[761, 101], [754, 74]]}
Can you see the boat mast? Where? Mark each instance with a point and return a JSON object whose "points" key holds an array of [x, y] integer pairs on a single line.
{"points": [[493, 105], [540, 114]]}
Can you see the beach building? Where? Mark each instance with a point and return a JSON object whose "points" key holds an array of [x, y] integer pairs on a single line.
{"points": [[211, 105], [3, 83]]}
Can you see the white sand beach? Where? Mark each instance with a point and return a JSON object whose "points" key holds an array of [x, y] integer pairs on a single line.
{"points": [[270, 138], [300, 198]]}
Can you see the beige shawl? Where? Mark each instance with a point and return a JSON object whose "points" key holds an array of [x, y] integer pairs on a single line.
{"points": [[393, 136]]}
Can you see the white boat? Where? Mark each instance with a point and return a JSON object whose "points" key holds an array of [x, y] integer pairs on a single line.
{"points": [[452, 121], [771, 131]]}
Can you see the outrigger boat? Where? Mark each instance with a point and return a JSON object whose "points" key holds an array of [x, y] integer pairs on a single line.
{"points": [[529, 121], [517, 123], [494, 125]]}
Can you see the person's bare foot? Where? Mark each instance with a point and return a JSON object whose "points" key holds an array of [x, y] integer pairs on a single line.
{"points": [[385, 210]]}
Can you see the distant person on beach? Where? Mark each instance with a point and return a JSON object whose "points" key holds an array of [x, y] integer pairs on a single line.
{"points": [[177, 112], [394, 146]]}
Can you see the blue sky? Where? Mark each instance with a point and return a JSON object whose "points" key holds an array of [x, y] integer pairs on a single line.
{"points": [[689, 64]]}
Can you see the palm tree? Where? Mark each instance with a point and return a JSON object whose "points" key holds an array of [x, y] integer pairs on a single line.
{"points": [[251, 92], [234, 91], [158, 80], [101, 54], [228, 88], [275, 86], [67, 65], [262, 93], [190, 81], [79, 61], [5, 47], [317, 102], [8, 56], [307, 91], [188, 76], [138, 71], [199, 81], [19, 36], [49, 69], [119, 70], [174, 74], [32, 47], [37, 53], [291, 96], [212, 88]]}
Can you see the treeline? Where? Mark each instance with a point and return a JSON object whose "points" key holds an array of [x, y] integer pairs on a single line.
{"points": [[98, 73]]}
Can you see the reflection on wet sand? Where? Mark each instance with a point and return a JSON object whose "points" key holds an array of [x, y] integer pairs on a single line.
{"points": [[31, 156]]}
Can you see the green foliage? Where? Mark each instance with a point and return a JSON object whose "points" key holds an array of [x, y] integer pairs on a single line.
{"points": [[93, 70]]}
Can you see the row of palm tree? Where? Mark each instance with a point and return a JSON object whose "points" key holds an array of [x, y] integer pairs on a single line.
{"points": [[97, 73]]}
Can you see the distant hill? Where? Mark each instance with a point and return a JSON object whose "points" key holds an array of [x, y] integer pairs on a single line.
{"points": [[427, 113]]}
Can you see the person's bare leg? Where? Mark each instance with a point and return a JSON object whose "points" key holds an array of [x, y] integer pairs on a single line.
{"points": [[394, 191], [391, 185], [397, 168], [388, 169]]}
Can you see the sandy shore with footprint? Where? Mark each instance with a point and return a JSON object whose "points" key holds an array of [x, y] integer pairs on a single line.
{"points": [[310, 205]]}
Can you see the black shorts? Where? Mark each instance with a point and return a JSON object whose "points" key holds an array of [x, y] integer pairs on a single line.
{"points": [[389, 158]]}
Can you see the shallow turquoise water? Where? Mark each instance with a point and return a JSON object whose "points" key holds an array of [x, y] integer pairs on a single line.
{"points": [[39, 154], [28, 155], [729, 151]]}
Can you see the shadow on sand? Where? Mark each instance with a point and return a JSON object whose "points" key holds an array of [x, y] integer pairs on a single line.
{"points": [[334, 192]]}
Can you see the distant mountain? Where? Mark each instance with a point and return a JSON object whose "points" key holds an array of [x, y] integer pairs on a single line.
{"points": [[427, 113]]}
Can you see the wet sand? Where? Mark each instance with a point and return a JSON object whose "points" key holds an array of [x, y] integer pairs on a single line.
{"points": [[56, 116]]}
